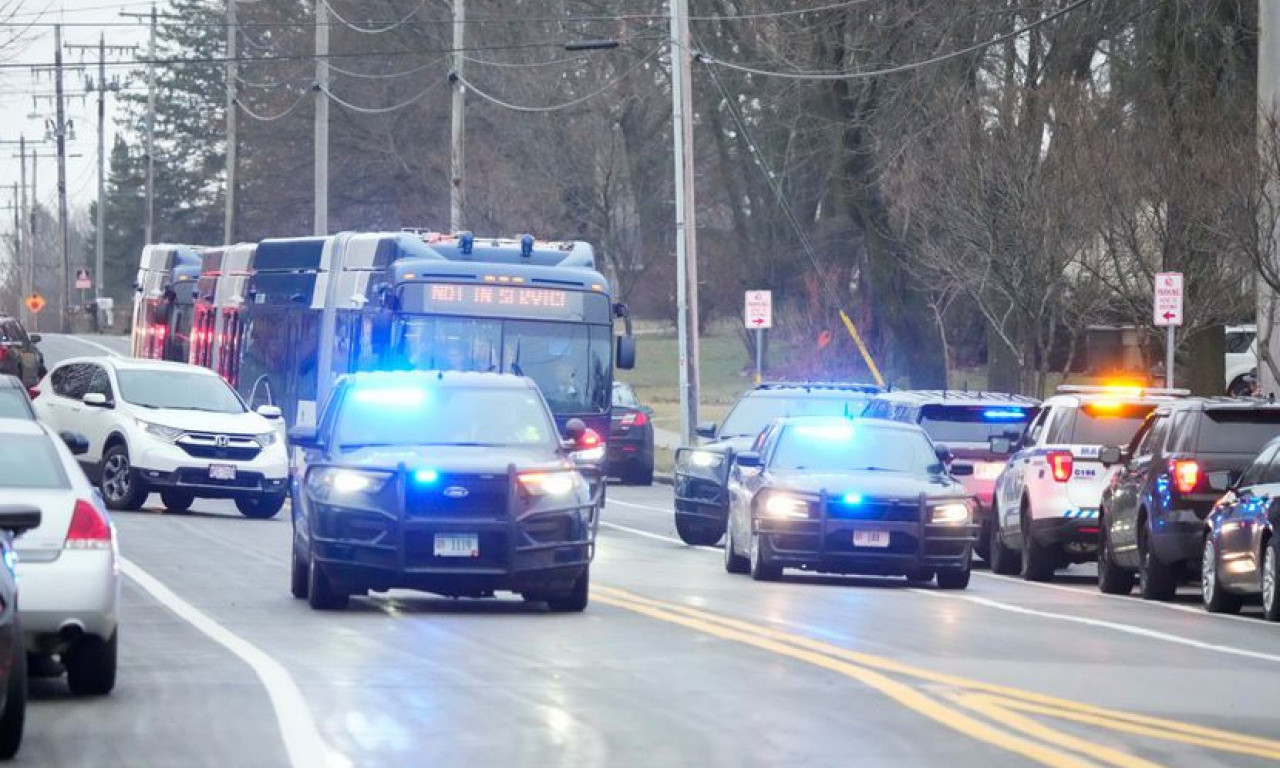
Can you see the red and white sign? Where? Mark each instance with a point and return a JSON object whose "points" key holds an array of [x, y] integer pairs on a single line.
{"points": [[1168, 298], [758, 311]]}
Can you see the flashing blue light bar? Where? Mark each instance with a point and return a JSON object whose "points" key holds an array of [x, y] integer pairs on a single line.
{"points": [[1004, 415], [405, 396], [426, 476], [852, 498]]}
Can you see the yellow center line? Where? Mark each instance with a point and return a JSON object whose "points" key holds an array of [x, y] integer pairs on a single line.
{"points": [[1154, 727], [899, 692]]}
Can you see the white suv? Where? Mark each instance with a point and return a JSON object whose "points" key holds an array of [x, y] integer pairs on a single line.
{"points": [[176, 429], [1046, 499]]}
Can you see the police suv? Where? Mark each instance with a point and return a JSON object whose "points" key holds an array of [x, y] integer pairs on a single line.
{"points": [[1047, 497]]}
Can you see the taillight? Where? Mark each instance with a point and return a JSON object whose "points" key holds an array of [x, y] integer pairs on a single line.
{"points": [[636, 419], [4, 353], [89, 529], [1186, 475], [1061, 463], [589, 439], [33, 392]]}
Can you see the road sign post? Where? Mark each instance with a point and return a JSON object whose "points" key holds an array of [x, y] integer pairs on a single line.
{"points": [[1167, 312], [758, 315]]}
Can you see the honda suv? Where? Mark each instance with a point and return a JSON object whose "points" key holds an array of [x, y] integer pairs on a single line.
{"points": [[1169, 476]]}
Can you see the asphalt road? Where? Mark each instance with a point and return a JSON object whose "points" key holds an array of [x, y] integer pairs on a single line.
{"points": [[675, 663]]}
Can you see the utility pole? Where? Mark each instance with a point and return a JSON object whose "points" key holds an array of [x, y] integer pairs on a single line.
{"points": [[1268, 317], [322, 120], [686, 220], [458, 127], [60, 134], [233, 72], [148, 213], [24, 254]]}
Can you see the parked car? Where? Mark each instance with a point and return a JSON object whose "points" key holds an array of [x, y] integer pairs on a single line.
{"points": [[176, 429], [1241, 359], [19, 355], [15, 519], [629, 450], [965, 422], [1169, 476], [1240, 545], [15, 401], [68, 565]]}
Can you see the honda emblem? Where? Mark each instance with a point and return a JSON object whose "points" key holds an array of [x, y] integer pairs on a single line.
{"points": [[222, 441]]}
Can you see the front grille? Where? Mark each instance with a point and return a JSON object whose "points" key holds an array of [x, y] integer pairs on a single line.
{"points": [[485, 498], [886, 510], [205, 445]]}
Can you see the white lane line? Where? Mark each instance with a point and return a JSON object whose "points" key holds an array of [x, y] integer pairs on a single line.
{"points": [[655, 536], [1128, 629], [302, 740], [1128, 599], [646, 507], [110, 352]]}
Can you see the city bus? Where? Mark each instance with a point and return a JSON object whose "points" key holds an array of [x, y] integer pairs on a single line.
{"points": [[165, 295]]}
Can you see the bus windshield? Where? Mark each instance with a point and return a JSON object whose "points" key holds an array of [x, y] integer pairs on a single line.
{"points": [[570, 362]]}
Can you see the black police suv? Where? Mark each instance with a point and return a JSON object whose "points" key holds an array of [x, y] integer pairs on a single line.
{"points": [[1241, 545], [447, 482], [849, 496], [1173, 471], [15, 519], [629, 450], [966, 422], [702, 472]]}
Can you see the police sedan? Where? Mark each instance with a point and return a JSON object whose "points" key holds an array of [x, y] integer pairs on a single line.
{"points": [[849, 496], [452, 483]]}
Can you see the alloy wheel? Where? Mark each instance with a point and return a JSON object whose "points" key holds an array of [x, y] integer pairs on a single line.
{"points": [[1209, 570], [115, 477], [1268, 580]]}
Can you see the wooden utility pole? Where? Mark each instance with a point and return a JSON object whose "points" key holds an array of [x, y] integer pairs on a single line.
{"points": [[686, 220], [458, 126]]}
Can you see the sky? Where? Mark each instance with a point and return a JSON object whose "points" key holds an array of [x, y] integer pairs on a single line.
{"points": [[24, 106]]}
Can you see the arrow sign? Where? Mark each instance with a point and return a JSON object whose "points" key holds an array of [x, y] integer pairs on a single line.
{"points": [[1167, 303], [758, 309]]}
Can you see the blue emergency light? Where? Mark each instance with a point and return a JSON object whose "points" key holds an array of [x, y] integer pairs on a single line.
{"points": [[852, 499], [426, 476], [526, 246], [1004, 415]]}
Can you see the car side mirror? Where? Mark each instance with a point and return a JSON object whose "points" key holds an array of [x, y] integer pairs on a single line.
{"points": [[1223, 480], [305, 437], [1110, 456], [36, 338], [706, 429], [1000, 446], [96, 400], [272, 412], [17, 519], [77, 443], [961, 470], [749, 460], [626, 354]]}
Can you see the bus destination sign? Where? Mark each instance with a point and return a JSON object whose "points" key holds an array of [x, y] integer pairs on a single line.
{"points": [[501, 301]]}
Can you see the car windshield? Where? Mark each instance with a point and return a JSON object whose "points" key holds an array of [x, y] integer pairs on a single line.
{"points": [[851, 446], [753, 413], [625, 396], [1106, 423], [1237, 431], [972, 424], [14, 404], [386, 416], [30, 461], [178, 390]]}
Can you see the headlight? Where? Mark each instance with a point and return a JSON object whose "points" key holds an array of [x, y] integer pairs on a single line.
{"points": [[346, 481], [703, 459], [168, 434], [786, 506], [267, 438], [956, 513], [551, 483]]}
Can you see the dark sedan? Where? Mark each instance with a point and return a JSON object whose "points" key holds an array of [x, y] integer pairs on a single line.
{"points": [[849, 496], [629, 451], [1241, 548], [19, 355], [453, 483]]}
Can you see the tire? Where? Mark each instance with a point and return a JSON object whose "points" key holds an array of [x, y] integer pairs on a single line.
{"points": [[575, 599], [177, 501], [298, 576], [696, 533], [260, 507], [982, 547], [642, 476], [1270, 574], [761, 568], [91, 665], [1216, 599], [954, 579], [1038, 561], [321, 594], [1156, 581], [15, 707], [1112, 579], [121, 487], [1004, 560], [920, 577], [734, 562]]}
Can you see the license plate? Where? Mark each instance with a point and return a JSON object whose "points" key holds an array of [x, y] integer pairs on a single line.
{"points": [[222, 472], [457, 545], [871, 539]]}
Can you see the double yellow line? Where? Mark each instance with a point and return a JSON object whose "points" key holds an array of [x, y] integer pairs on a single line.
{"points": [[1002, 716]]}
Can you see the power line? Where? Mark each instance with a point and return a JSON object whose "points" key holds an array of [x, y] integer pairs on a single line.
{"points": [[568, 104], [709, 59], [384, 110], [522, 64], [388, 75], [304, 96], [372, 30]]}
